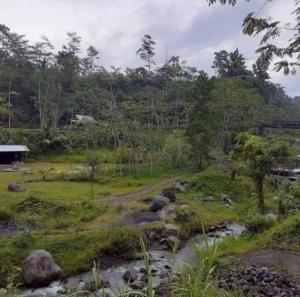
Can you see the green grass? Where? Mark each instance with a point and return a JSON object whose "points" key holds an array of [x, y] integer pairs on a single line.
{"points": [[58, 210], [73, 252], [216, 183], [62, 218]]}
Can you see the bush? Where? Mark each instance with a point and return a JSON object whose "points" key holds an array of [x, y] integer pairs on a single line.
{"points": [[259, 223], [81, 176], [89, 211], [289, 198]]}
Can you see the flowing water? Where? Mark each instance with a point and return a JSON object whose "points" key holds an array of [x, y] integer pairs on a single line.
{"points": [[160, 265]]}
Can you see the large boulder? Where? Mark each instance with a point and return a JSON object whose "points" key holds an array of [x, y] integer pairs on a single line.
{"points": [[39, 269], [158, 203], [15, 188]]}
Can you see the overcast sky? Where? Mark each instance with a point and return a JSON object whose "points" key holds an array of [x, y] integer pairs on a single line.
{"points": [[186, 28]]}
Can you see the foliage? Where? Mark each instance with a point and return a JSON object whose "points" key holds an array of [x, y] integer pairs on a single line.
{"points": [[288, 54], [284, 235], [230, 64], [258, 223], [256, 158], [289, 198]]}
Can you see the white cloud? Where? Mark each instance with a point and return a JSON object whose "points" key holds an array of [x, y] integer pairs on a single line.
{"points": [[190, 29]]}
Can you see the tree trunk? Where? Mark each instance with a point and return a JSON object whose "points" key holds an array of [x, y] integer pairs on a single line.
{"points": [[9, 101], [200, 159], [259, 181], [40, 106], [92, 189]]}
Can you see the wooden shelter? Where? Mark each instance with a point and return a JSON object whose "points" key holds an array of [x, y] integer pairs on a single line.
{"points": [[12, 153]]}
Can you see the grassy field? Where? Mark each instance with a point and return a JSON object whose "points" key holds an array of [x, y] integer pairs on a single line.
{"points": [[58, 213]]}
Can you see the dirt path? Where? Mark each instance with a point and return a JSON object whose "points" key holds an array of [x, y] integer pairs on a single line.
{"points": [[281, 261], [142, 193]]}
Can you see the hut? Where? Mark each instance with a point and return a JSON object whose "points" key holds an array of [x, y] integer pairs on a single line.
{"points": [[12, 153], [82, 120]]}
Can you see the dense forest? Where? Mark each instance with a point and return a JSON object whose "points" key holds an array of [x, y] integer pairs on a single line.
{"points": [[44, 88]]}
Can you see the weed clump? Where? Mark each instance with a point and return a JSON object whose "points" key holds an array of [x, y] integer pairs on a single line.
{"points": [[5, 216], [34, 205]]}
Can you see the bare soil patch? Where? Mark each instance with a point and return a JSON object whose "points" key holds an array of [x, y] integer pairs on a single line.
{"points": [[282, 261]]}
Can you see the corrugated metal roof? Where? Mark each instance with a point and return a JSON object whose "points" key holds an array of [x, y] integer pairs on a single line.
{"points": [[83, 118], [13, 148]]}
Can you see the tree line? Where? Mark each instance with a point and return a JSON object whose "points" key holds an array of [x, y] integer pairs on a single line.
{"points": [[44, 88]]}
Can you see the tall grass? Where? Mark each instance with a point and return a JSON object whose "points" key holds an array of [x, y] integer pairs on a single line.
{"points": [[199, 279]]}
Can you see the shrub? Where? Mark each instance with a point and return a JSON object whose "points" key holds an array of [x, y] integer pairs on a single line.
{"points": [[89, 211], [259, 223], [36, 206], [289, 198], [81, 176], [59, 143]]}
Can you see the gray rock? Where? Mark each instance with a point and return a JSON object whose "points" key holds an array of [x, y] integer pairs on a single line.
{"points": [[171, 241], [226, 199], [105, 292], [130, 276], [15, 188], [138, 285], [170, 193], [179, 187], [208, 199], [146, 217], [39, 269], [158, 203], [170, 230], [167, 210]]}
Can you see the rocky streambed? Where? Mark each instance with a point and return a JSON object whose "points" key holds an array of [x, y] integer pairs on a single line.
{"points": [[118, 277]]}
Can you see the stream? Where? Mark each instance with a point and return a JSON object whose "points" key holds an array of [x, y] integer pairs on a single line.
{"points": [[160, 264]]}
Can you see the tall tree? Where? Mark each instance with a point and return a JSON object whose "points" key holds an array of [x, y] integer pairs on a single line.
{"points": [[146, 51], [200, 125], [229, 64], [89, 65], [256, 158], [14, 53]]}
